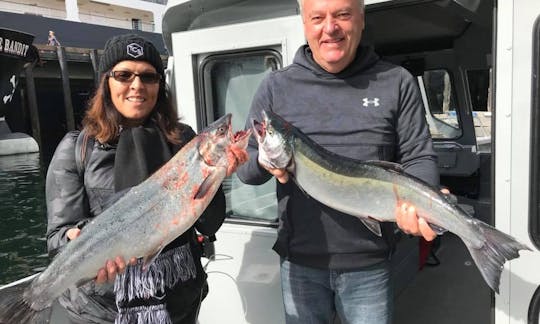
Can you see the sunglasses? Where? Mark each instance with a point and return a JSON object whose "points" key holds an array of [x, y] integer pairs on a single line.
{"points": [[128, 76]]}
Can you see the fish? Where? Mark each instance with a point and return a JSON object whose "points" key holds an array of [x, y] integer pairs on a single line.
{"points": [[370, 191], [155, 212]]}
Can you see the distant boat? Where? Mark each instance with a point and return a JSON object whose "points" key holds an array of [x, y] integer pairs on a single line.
{"points": [[16, 51]]}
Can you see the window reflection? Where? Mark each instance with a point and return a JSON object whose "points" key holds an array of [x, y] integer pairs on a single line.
{"points": [[229, 82], [441, 112]]}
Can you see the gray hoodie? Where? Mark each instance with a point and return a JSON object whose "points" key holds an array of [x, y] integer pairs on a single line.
{"points": [[372, 110]]}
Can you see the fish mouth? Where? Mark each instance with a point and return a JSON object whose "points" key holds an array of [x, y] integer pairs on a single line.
{"points": [[259, 129], [241, 136], [239, 139]]}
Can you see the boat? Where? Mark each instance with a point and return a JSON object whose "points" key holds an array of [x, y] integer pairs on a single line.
{"points": [[220, 51], [16, 53]]}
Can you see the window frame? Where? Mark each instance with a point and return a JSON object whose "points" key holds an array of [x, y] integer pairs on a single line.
{"points": [[454, 99], [207, 112], [534, 184], [205, 106]]}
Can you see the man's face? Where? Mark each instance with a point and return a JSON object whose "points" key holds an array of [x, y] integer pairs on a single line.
{"points": [[333, 29]]}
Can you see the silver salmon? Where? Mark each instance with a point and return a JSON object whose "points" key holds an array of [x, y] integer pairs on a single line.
{"points": [[370, 190], [155, 212]]}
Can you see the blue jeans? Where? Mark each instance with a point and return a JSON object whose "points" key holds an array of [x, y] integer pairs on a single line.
{"points": [[313, 296]]}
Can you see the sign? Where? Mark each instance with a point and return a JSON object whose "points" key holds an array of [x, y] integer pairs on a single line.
{"points": [[16, 50]]}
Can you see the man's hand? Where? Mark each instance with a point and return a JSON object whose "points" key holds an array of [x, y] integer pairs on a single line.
{"points": [[410, 223], [111, 268], [281, 174]]}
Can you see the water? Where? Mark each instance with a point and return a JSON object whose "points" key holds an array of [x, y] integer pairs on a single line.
{"points": [[23, 249]]}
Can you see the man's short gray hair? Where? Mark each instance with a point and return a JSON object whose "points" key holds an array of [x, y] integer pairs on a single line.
{"points": [[300, 2]]}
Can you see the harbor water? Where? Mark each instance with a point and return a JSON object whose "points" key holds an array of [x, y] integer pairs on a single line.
{"points": [[23, 248]]}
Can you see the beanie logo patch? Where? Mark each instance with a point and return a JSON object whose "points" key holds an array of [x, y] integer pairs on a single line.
{"points": [[135, 50]]}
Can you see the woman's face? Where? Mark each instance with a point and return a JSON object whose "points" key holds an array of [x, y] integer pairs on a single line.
{"points": [[132, 95]]}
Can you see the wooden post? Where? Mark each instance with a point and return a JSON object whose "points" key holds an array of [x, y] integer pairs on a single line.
{"points": [[32, 103], [95, 67], [68, 105]]}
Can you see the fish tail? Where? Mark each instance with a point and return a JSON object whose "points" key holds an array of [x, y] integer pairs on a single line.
{"points": [[15, 309], [490, 257]]}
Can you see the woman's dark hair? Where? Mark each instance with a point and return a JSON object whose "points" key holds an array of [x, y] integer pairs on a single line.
{"points": [[102, 120]]}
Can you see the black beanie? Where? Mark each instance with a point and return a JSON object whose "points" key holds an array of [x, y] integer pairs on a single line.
{"points": [[130, 47]]}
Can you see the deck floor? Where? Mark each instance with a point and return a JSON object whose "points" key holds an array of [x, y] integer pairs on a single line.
{"points": [[453, 292]]}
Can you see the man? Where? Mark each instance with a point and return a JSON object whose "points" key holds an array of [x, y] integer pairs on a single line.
{"points": [[344, 97]]}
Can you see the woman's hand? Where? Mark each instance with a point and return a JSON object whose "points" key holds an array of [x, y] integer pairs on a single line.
{"points": [[72, 233], [236, 156], [111, 268]]}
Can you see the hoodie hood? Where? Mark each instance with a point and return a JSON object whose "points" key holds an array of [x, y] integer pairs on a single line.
{"points": [[364, 59]]}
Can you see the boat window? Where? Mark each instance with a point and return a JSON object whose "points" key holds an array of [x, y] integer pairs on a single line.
{"points": [[440, 103], [534, 216], [479, 82], [228, 83]]}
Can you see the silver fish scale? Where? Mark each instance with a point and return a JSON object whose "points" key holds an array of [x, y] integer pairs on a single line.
{"points": [[149, 212]]}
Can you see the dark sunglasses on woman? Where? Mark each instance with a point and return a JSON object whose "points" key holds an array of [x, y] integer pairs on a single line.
{"points": [[128, 76]]}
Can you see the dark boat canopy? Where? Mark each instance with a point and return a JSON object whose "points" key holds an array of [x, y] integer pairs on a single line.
{"points": [[71, 33], [182, 15]]}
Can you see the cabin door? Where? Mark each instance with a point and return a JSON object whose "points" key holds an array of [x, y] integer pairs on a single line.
{"points": [[517, 156], [217, 71]]}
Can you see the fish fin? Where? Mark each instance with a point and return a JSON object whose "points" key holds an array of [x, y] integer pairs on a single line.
{"points": [[437, 229], [74, 292], [291, 167], [373, 225], [386, 165], [80, 283], [300, 187], [16, 306], [498, 248], [450, 198], [150, 258], [205, 186]]}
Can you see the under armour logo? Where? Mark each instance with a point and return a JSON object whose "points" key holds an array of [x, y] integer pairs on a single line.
{"points": [[374, 102], [135, 50]]}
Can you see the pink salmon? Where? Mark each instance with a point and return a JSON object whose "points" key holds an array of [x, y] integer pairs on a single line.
{"points": [[154, 212]]}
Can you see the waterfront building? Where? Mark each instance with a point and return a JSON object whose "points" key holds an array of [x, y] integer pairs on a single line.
{"points": [[51, 96], [144, 15]]}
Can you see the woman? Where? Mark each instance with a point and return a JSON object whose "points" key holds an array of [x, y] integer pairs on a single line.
{"points": [[132, 129]]}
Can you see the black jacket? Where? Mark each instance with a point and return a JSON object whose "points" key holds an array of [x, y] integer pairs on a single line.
{"points": [[372, 110]]}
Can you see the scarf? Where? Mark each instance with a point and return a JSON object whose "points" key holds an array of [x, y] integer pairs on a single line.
{"points": [[140, 294]]}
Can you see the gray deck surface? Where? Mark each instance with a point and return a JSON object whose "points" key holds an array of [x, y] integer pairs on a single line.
{"points": [[452, 293]]}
